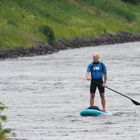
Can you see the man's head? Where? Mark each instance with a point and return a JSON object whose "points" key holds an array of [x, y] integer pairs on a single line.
{"points": [[95, 57]]}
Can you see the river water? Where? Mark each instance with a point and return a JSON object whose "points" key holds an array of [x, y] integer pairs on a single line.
{"points": [[45, 95]]}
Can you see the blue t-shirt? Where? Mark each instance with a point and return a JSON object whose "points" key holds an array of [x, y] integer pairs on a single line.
{"points": [[97, 70]]}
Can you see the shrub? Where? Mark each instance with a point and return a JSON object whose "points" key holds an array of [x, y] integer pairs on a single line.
{"points": [[48, 31], [3, 118], [131, 1]]}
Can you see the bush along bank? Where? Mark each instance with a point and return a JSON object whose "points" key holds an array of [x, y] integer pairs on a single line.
{"points": [[41, 48], [3, 118]]}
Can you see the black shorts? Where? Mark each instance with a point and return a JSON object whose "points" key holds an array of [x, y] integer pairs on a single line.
{"points": [[97, 83]]}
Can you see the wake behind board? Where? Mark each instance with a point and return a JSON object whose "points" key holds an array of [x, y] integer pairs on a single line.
{"points": [[93, 112]]}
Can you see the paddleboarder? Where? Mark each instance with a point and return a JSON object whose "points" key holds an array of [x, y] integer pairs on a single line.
{"points": [[97, 74]]}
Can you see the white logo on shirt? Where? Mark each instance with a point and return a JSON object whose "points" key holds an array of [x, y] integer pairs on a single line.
{"points": [[96, 68]]}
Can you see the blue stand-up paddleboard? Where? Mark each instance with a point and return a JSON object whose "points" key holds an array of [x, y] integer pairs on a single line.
{"points": [[95, 111]]}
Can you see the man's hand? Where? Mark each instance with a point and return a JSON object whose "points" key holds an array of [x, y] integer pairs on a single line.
{"points": [[88, 76], [104, 85]]}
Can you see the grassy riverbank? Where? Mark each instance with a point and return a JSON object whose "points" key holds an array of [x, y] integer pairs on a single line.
{"points": [[21, 21]]}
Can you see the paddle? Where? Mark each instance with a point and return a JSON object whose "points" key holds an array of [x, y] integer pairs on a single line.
{"points": [[135, 102]]}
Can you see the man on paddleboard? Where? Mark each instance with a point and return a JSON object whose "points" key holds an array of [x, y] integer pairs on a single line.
{"points": [[97, 74]]}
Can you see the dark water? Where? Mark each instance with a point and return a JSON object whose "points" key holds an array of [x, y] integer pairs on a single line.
{"points": [[46, 93]]}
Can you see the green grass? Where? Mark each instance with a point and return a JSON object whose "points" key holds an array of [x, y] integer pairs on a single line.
{"points": [[20, 20]]}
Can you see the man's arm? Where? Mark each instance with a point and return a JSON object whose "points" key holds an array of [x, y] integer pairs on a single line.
{"points": [[105, 75], [88, 76], [105, 80]]}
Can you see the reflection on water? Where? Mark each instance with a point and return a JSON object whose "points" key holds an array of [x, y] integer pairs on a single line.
{"points": [[46, 93]]}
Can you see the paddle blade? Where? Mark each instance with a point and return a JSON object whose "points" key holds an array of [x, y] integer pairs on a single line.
{"points": [[135, 102]]}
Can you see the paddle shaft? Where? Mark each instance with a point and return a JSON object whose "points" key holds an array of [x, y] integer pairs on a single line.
{"points": [[118, 92], [113, 90], [135, 102]]}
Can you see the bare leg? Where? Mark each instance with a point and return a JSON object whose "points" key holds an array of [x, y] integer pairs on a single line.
{"points": [[103, 100], [92, 96]]}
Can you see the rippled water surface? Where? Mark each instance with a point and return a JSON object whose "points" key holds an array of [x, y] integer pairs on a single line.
{"points": [[45, 94]]}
